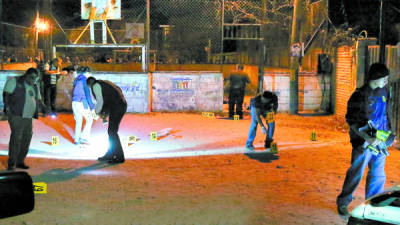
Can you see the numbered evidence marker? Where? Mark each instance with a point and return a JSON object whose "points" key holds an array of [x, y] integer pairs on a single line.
{"points": [[274, 147], [153, 136], [270, 117], [55, 141], [208, 114], [40, 188], [129, 140], [236, 117], [313, 136]]}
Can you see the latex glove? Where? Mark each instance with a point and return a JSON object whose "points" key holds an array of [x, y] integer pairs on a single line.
{"points": [[264, 130], [94, 115], [373, 141]]}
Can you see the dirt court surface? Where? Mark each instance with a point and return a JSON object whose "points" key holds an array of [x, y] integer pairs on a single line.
{"points": [[298, 185]]}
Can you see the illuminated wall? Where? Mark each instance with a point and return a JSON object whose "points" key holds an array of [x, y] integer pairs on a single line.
{"points": [[135, 87], [186, 91], [313, 89]]}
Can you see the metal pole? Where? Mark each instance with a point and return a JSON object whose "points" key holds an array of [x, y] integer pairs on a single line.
{"points": [[261, 52], [36, 29], [381, 33], [147, 58], [294, 61], [1, 32], [222, 33]]}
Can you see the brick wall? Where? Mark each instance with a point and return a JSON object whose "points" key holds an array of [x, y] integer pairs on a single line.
{"points": [[345, 79]]}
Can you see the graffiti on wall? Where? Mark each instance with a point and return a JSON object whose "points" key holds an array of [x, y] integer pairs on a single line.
{"points": [[183, 92]]}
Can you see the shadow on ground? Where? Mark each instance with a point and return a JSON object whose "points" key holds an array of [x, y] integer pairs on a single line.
{"points": [[59, 175], [264, 157]]}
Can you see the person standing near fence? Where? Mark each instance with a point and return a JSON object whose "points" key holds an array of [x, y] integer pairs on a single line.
{"points": [[110, 102], [50, 79], [237, 84]]}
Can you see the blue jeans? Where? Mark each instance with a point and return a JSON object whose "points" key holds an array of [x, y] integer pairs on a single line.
{"points": [[376, 177], [253, 127]]}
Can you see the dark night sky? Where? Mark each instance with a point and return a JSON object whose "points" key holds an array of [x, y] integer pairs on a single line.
{"points": [[361, 14], [364, 15]]}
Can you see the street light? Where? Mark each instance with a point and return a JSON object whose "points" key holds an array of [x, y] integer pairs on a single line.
{"points": [[41, 25]]}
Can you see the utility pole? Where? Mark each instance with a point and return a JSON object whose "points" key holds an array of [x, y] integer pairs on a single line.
{"points": [[37, 30], [1, 33], [261, 50], [298, 13], [381, 32]]}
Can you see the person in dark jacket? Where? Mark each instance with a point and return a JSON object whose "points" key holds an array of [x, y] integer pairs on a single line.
{"points": [[237, 84], [368, 104], [261, 105], [50, 78], [21, 96], [110, 102]]}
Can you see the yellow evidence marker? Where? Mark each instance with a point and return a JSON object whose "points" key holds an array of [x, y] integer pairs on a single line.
{"points": [[313, 136], [153, 136], [274, 147], [270, 117], [40, 188], [55, 141], [131, 139]]}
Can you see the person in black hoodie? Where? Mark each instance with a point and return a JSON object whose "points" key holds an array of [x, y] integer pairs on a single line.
{"points": [[22, 99], [110, 102]]}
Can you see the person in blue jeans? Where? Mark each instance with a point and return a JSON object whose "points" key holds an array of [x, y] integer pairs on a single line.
{"points": [[370, 103], [261, 105], [82, 106]]}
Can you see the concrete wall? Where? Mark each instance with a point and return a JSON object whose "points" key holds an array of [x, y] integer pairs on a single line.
{"points": [[135, 87], [197, 91], [186, 91], [314, 89]]}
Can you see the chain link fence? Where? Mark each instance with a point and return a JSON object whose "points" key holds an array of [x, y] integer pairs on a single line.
{"points": [[181, 31]]}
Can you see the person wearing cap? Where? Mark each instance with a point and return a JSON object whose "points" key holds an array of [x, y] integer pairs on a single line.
{"points": [[22, 100], [82, 106], [367, 103], [261, 105]]}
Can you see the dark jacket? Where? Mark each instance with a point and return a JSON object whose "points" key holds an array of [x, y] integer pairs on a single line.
{"points": [[15, 102], [113, 98], [238, 80], [360, 109], [272, 104]]}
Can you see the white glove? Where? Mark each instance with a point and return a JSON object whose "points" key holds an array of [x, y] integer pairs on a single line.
{"points": [[94, 115]]}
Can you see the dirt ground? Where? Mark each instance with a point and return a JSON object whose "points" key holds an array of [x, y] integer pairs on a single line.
{"points": [[298, 185]]}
